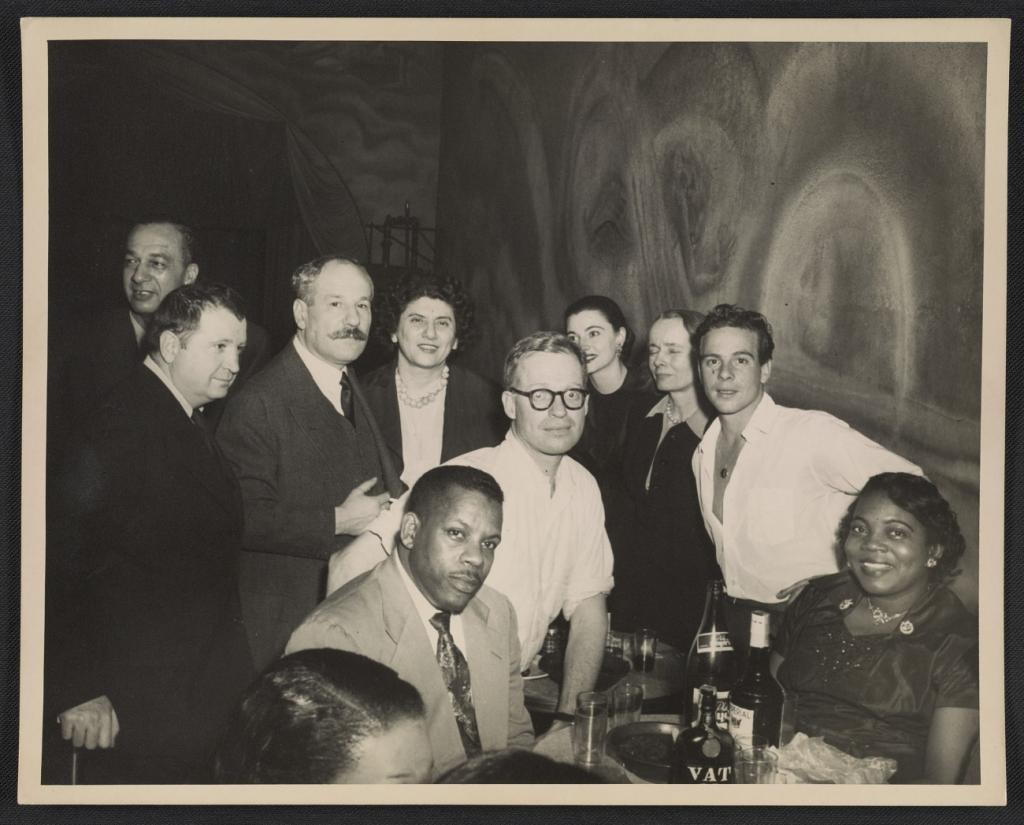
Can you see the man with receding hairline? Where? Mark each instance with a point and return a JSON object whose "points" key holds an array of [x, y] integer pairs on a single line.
{"points": [[311, 462], [159, 257], [426, 612]]}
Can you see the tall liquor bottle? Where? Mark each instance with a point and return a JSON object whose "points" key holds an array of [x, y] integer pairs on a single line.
{"points": [[704, 752], [712, 660], [755, 703]]}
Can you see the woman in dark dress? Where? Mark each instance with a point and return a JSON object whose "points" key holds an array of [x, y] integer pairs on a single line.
{"points": [[429, 410], [673, 556], [882, 656], [598, 325]]}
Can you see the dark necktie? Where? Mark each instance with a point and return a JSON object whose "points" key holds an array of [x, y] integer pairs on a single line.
{"points": [[200, 422], [455, 670], [347, 407]]}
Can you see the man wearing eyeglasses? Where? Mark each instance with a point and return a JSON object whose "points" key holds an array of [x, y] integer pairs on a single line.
{"points": [[555, 553]]}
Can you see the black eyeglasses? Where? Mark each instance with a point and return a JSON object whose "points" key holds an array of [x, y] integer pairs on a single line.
{"points": [[540, 400]]}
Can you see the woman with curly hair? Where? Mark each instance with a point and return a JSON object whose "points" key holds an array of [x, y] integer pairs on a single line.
{"points": [[429, 410], [882, 656]]}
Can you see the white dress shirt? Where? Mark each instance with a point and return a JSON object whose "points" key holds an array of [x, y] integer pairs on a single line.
{"points": [[326, 376], [426, 611], [163, 376], [796, 476], [554, 551]]}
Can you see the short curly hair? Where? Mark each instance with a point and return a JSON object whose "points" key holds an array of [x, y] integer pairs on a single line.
{"points": [[730, 315], [922, 499], [392, 303], [612, 313]]}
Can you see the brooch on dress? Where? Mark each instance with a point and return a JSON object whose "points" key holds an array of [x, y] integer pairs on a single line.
{"points": [[846, 604], [906, 627]]}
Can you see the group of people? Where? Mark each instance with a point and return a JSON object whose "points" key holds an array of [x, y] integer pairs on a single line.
{"points": [[384, 553]]}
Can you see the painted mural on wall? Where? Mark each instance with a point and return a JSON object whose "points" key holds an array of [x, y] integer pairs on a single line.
{"points": [[835, 187]]}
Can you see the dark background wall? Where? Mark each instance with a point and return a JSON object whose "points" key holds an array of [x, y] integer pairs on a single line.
{"points": [[837, 188]]}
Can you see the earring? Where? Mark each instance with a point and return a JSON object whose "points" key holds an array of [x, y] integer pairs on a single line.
{"points": [[931, 562]]}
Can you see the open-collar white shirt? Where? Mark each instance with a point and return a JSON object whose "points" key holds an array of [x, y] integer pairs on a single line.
{"points": [[554, 550], [796, 476]]}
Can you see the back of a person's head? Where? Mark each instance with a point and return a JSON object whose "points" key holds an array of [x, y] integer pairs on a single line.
{"points": [[303, 719], [515, 766]]}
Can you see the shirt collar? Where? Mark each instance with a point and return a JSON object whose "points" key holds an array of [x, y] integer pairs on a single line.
{"points": [[137, 328], [661, 408], [326, 375], [424, 608], [166, 379], [514, 445], [761, 421]]}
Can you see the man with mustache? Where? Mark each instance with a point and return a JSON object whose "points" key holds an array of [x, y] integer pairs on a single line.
{"points": [[773, 481], [312, 465], [425, 612]]}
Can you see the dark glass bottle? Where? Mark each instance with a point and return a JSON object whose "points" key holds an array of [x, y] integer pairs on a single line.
{"points": [[755, 703], [703, 753], [712, 660]]}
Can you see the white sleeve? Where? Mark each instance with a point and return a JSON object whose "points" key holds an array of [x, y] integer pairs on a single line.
{"points": [[592, 568], [368, 549], [847, 459]]}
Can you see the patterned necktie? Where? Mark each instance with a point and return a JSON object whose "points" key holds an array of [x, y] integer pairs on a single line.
{"points": [[455, 671], [347, 407]]}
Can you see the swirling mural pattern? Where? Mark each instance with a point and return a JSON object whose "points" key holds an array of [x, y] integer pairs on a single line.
{"points": [[836, 187]]}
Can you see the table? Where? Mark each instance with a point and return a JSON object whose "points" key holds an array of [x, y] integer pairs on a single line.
{"points": [[665, 680], [557, 744]]}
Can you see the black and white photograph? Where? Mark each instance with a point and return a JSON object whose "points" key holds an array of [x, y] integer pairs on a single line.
{"points": [[557, 403]]}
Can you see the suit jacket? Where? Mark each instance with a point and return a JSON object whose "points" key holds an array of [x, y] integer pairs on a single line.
{"points": [[152, 542], [296, 460], [375, 616], [473, 416], [106, 353]]}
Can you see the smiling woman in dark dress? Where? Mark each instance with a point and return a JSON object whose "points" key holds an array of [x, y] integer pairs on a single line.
{"points": [[598, 325], [429, 410], [882, 656], [673, 557]]}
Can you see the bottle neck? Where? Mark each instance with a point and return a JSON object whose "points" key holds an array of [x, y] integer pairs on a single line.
{"points": [[758, 659]]}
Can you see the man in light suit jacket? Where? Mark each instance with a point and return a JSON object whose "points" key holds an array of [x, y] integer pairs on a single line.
{"points": [[425, 612], [313, 468]]}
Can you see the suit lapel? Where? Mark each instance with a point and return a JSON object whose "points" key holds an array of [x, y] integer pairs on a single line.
{"points": [[390, 424], [186, 445], [389, 476], [488, 668]]}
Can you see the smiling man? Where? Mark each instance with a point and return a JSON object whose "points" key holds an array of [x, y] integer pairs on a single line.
{"points": [[312, 465], [555, 553], [773, 481], [426, 612], [155, 659], [159, 257]]}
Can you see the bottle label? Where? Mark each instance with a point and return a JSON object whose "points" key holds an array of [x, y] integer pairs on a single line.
{"points": [[713, 642], [741, 722], [711, 748], [710, 773], [721, 707]]}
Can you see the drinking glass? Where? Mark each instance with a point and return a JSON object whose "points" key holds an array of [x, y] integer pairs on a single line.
{"points": [[627, 702], [589, 727], [645, 649], [756, 763]]}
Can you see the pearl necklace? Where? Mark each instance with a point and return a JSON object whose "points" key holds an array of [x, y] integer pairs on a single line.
{"points": [[423, 400], [879, 616], [671, 415]]}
